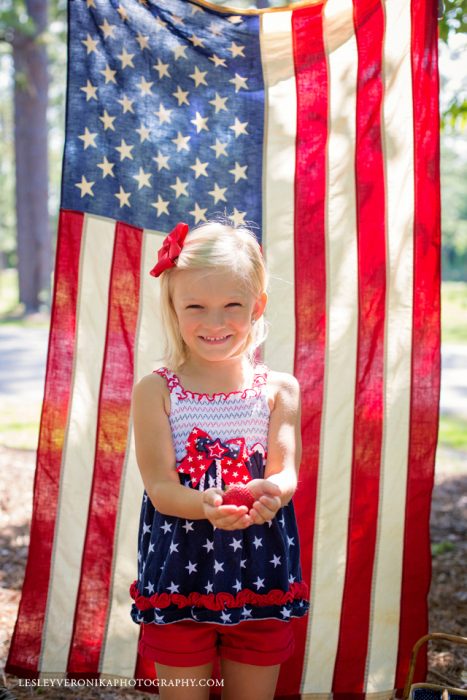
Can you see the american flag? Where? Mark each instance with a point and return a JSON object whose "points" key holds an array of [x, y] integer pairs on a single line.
{"points": [[319, 124]]}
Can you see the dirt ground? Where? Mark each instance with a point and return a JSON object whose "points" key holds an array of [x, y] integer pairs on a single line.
{"points": [[448, 596]]}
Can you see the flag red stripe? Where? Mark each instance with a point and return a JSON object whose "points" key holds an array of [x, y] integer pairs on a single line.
{"points": [[310, 289], [112, 430], [349, 670], [25, 648], [425, 381]]}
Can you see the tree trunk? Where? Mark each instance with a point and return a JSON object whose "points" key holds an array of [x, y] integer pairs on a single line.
{"points": [[30, 99]]}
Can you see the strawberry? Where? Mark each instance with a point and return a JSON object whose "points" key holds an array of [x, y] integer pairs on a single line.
{"points": [[238, 495]]}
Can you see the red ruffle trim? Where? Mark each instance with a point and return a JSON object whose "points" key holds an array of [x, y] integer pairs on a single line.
{"points": [[173, 382], [219, 601]]}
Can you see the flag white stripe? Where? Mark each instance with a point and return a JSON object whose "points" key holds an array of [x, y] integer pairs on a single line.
{"points": [[278, 186], [79, 444], [399, 162], [330, 544], [120, 652]]}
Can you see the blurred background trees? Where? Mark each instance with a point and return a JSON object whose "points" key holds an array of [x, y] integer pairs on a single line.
{"points": [[32, 63], [32, 108]]}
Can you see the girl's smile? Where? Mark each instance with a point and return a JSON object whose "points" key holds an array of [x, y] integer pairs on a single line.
{"points": [[216, 341]]}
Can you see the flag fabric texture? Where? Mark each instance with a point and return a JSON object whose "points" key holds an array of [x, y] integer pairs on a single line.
{"points": [[319, 125]]}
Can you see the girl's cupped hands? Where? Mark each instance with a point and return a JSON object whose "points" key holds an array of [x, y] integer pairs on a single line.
{"points": [[267, 502]]}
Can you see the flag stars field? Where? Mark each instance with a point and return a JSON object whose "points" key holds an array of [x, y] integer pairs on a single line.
{"points": [[106, 167], [162, 161], [215, 29], [109, 75], [125, 150], [196, 41], [126, 59], [127, 104], [239, 127], [238, 217], [143, 179], [160, 24], [184, 98], [108, 30], [218, 193], [236, 50], [123, 13], [162, 206], [143, 132], [145, 86], [162, 69], [85, 187], [179, 51], [107, 120], [143, 41], [164, 114], [219, 103], [218, 62], [181, 96], [90, 44], [219, 148], [198, 77], [239, 172], [200, 122], [90, 91], [88, 138], [180, 188], [181, 142], [199, 168], [239, 82], [198, 213]]}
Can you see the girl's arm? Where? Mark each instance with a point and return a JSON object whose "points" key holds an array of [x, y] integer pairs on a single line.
{"points": [[157, 463], [284, 450]]}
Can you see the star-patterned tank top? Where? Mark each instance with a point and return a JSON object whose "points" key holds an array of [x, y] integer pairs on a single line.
{"points": [[189, 570]]}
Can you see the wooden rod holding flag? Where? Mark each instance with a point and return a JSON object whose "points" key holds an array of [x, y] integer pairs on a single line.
{"points": [[256, 11]]}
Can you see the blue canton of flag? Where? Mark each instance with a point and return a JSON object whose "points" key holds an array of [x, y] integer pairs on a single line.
{"points": [[164, 115]]}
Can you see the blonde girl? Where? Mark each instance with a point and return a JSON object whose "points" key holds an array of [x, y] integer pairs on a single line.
{"points": [[216, 581]]}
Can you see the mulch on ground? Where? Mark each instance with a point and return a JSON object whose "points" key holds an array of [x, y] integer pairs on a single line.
{"points": [[447, 600]]}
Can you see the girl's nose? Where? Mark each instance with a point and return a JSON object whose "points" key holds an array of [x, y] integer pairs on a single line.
{"points": [[216, 318]]}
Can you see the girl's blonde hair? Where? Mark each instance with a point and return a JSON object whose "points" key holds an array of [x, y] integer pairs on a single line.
{"points": [[214, 244]]}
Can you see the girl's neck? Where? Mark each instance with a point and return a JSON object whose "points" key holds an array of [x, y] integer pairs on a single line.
{"points": [[223, 376]]}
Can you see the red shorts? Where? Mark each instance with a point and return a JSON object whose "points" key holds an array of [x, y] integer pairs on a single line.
{"points": [[190, 643]]}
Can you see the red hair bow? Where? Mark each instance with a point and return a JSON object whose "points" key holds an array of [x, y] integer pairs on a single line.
{"points": [[170, 250]]}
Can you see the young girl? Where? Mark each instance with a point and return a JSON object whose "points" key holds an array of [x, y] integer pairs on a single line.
{"points": [[213, 578]]}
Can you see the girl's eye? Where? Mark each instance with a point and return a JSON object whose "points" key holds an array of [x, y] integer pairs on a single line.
{"points": [[198, 306]]}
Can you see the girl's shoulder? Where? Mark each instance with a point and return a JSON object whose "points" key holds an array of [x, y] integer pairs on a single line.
{"points": [[153, 388], [281, 385]]}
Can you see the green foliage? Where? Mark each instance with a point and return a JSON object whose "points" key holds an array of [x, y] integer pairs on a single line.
{"points": [[454, 19], [455, 114], [453, 24], [454, 213], [453, 432], [438, 548], [14, 17], [454, 312]]}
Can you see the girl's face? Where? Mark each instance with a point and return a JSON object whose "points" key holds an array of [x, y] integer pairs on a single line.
{"points": [[214, 311]]}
